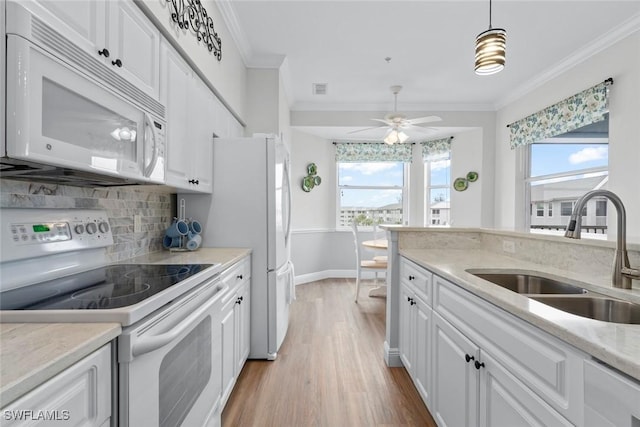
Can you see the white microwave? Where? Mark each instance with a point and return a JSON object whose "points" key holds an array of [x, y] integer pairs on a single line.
{"points": [[66, 112]]}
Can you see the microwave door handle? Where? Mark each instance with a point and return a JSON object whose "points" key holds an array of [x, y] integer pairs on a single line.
{"points": [[148, 125], [149, 344]]}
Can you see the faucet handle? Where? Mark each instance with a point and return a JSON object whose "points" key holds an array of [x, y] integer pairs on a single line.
{"points": [[634, 273]]}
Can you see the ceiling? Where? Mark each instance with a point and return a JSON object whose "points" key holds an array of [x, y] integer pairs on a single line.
{"points": [[431, 45]]}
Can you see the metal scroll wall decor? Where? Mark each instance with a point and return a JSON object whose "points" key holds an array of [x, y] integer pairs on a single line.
{"points": [[191, 14]]}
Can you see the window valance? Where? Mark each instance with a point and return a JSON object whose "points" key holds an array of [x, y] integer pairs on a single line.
{"points": [[584, 108], [438, 149], [372, 152]]}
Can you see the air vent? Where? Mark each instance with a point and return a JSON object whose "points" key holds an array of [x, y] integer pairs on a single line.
{"points": [[319, 88]]}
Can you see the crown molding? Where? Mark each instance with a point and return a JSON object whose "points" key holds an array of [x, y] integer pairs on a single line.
{"points": [[407, 108], [230, 19], [610, 38]]}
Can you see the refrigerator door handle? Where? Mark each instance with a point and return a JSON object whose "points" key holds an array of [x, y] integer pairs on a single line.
{"points": [[287, 231]]}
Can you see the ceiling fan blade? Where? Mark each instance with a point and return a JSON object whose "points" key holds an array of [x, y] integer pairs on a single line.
{"points": [[428, 119], [422, 129], [366, 129]]}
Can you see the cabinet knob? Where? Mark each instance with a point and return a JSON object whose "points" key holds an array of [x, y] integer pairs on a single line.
{"points": [[239, 276], [408, 299], [412, 277], [468, 358], [413, 302], [239, 300], [117, 63], [194, 181], [104, 52], [479, 365]]}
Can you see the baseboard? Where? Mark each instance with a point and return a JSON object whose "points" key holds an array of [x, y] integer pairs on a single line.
{"points": [[392, 356], [331, 274]]}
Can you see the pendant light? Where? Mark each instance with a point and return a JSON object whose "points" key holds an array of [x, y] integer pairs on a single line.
{"points": [[490, 49]]}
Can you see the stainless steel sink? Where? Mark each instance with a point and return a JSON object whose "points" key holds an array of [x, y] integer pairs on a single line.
{"points": [[599, 308], [529, 284]]}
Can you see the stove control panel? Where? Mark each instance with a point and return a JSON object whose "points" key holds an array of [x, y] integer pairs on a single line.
{"points": [[34, 232]]}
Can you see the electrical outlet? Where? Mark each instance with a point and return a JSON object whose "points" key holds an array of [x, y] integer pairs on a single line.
{"points": [[137, 223], [509, 246]]}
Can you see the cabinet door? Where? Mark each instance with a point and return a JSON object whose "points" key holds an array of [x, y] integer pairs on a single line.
{"points": [[228, 347], [199, 146], [406, 326], [243, 325], [82, 22], [505, 401], [174, 94], [135, 42], [455, 381], [422, 354]]}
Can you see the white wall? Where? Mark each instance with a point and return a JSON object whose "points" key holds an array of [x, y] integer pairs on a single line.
{"points": [[622, 62], [319, 250], [228, 76]]}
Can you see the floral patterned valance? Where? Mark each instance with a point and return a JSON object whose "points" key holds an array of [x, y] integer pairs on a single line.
{"points": [[372, 152], [584, 108], [438, 149]]}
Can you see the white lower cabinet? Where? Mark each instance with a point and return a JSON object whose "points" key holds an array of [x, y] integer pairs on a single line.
{"points": [[78, 396], [477, 365], [236, 323], [610, 398]]}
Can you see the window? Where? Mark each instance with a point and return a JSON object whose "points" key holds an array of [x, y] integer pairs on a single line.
{"points": [[564, 169], [566, 208], [371, 192], [601, 208], [438, 195]]}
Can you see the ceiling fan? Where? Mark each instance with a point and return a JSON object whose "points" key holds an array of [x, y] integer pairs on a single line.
{"points": [[397, 122]]}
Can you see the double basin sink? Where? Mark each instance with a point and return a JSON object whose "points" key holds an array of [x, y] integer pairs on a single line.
{"points": [[566, 297]]}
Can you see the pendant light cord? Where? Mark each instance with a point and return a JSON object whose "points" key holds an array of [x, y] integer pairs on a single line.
{"points": [[489, 14]]}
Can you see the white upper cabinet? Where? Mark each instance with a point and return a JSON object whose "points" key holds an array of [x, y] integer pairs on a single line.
{"points": [[115, 32], [190, 124], [134, 45]]}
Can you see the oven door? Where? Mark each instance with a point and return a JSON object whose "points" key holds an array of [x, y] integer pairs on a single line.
{"points": [[170, 365], [60, 117]]}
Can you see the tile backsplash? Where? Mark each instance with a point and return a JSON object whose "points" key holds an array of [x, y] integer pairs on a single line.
{"points": [[155, 205]]}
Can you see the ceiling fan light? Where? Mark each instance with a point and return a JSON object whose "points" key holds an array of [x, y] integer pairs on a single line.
{"points": [[402, 137], [490, 51], [392, 137]]}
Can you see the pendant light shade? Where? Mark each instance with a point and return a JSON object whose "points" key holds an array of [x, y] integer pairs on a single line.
{"points": [[490, 49]]}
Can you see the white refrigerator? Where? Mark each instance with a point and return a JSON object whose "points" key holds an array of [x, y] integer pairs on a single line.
{"points": [[251, 207]]}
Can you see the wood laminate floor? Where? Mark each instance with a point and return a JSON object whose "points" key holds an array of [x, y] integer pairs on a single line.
{"points": [[330, 370]]}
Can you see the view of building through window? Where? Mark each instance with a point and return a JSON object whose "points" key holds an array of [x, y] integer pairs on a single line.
{"points": [[438, 196], [371, 193], [561, 172]]}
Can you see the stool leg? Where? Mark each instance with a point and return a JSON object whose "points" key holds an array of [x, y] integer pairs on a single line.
{"points": [[357, 284]]}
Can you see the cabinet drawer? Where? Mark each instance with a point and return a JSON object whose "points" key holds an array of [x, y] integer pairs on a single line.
{"points": [[550, 367], [237, 273], [610, 399], [417, 277], [79, 396]]}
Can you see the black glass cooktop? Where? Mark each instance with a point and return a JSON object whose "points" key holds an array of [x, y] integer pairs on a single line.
{"points": [[112, 286]]}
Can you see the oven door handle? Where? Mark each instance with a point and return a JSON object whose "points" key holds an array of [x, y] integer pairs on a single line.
{"points": [[149, 344]]}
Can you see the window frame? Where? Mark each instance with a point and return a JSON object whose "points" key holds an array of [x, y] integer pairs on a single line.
{"points": [[428, 220], [527, 179], [404, 191]]}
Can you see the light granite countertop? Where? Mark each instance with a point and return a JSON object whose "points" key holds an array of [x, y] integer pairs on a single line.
{"points": [[615, 344], [32, 353]]}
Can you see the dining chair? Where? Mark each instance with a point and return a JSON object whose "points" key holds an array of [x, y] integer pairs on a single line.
{"points": [[377, 266]]}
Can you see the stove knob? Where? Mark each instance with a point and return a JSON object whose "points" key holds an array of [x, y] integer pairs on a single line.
{"points": [[79, 229], [92, 228], [103, 227]]}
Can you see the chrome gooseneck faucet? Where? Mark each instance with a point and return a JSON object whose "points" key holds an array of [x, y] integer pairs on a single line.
{"points": [[622, 272]]}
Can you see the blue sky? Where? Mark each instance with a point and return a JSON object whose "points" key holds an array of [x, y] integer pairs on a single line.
{"points": [[555, 158]]}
